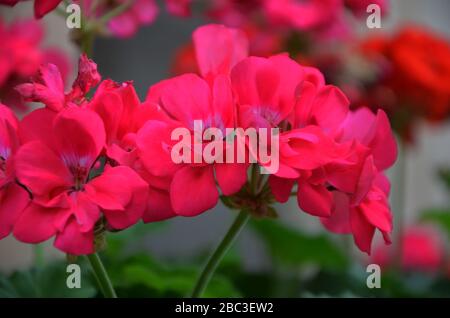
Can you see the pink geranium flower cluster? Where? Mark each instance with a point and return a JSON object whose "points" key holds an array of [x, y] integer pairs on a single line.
{"points": [[62, 147], [83, 165], [324, 17], [136, 13]]}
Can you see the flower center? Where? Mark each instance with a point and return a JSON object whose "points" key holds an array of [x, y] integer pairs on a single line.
{"points": [[80, 175]]}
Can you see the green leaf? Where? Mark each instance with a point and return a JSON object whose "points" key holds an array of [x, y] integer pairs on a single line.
{"points": [[291, 247], [172, 281]]}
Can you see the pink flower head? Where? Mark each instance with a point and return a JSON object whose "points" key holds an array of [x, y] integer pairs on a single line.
{"points": [[234, 13], [179, 102], [21, 57], [303, 15], [186, 99], [87, 78], [179, 8], [41, 7], [320, 147], [359, 7], [122, 113], [48, 86], [13, 197], [135, 14], [265, 89], [422, 249], [140, 13], [327, 19], [123, 116], [350, 189], [57, 166], [367, 207]]}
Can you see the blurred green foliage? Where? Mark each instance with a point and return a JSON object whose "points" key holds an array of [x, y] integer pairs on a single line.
{"points": [[48, 281], [444, 175], [299, 265], [293, 248]]}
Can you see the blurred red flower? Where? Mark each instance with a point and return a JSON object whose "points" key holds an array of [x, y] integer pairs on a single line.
{"points": [[21, 57], [41, 7], [414, 68], [422, 249]]}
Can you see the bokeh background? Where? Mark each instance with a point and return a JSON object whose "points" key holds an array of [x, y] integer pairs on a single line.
{"points": [[147, 57]]}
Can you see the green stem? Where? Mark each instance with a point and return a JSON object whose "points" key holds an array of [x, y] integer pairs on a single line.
{"points": [[219, 253], [399, 203], [39, 257], [254, 179], [87, 42], [101, 276]]}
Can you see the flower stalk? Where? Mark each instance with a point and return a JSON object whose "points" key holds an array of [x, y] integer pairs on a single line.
{"points": [[219, 253], [101, 276], [229, 238]]}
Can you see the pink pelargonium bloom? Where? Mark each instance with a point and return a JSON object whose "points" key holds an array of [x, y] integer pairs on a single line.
{"points": [[121, 112], [48, 86], [179, 8], [234, 13], [21, 57], [177, 103], [185, 99], [266, 89], [137, 13], [41, 7], [123, 115], [140, 13], [422, 249], [366, 208], [303, 15], [120, 109], [56, 164], [268, 94], [13, 197], [320, 148], [359, 7]]}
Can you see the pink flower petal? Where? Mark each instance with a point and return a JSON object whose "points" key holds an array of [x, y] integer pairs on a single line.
{"points": [[231, 176], [159, 206], [74, 241], [86, 136], [218, 49], [281, 188], [49, 90], [35, 224], [13, 200], [362, 230], [41, 170], [42, 7], [121, 193], [193, 191], [339, 221], [314, 199]]}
